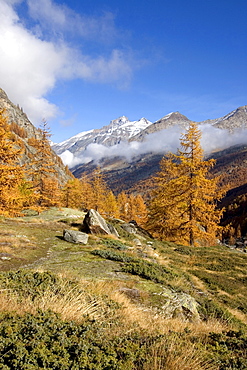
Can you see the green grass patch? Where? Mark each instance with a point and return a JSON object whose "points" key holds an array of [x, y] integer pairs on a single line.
{"points": [[115, 244]]}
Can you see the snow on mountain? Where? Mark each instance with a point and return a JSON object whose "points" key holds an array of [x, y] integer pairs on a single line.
{"points": [[66, 144], [120, 129], [128, 139]]}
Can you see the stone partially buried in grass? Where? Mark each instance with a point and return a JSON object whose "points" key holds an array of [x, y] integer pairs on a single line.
{"points": [[73, 236]]}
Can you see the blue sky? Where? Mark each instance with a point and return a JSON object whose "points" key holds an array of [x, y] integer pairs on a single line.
{"points": [[80, 64]]}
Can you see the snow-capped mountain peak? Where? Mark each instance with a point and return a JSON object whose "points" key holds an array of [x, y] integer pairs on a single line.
{"points": [[119, 121], [123, 131], [120, 129]]}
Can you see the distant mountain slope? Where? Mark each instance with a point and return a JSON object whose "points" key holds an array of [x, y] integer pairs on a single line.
{"points": [[231, 164], [118, 130], [26, 131], [122, 130], [171, 119], [16, 115], [232, 121], [123, 175]]}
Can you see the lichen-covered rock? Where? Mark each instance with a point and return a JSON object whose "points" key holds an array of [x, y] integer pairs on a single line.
{"points": [[73, 236], [179, 305]]}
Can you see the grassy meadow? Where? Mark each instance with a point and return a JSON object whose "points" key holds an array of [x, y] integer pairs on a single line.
{"points": [[113, 304]]}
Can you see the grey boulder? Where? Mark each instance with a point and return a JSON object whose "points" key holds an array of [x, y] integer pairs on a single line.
{"points": [[73, 236], [94, 223]]}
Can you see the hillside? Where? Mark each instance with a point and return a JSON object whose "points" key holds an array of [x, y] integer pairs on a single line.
{"points": [[27, 134], [120, 303], [125, 301]]}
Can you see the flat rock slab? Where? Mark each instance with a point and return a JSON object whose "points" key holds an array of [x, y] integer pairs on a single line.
{"points": [[73, 236]]}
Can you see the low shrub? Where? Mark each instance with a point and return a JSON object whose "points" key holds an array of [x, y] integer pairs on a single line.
{"points": [[183, 250], [149, 271], [115, 244], [136, 266], [229, 349], [112, 255], [216, 281], [45, 341], [209, 309], [29, 283]]}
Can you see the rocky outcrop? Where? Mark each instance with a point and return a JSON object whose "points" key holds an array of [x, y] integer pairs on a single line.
{"points": [[94, 223], [129, 228], [179, 305], [26, 132], [133, 228], [73, 236], [16, 115]]}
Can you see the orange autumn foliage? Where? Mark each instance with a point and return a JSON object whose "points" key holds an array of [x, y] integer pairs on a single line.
{"points": [[183, 204], [11, 173]]}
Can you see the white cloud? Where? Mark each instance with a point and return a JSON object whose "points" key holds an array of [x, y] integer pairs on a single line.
{"points": [[214, 138], [31, 65], [159, 142], [60, 18], [69, 159]]}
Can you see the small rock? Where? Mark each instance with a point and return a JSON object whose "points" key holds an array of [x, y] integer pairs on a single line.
{"points": [[129, 228], [137, 242], [29, 212], [180, 305], [5, 256], [73, 236]]}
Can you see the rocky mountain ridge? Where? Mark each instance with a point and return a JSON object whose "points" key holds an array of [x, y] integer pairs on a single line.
{"points": [[119, 130], [16, 115], [26, 131], [123, 130]]}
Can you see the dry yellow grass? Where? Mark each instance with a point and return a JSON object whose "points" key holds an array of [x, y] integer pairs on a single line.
{"points": [[11, 241], [70, 306], [171, 355], [239, 315], [92, 299], [132, 315]]}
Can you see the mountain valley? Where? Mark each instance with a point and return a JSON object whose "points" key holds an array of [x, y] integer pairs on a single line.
{"points": [[126, 301]]}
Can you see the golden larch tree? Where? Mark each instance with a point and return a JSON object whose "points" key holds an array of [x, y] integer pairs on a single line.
{"points": [[72, 194], [42, 172], [184, 199], [11, 173], [99, 191], [123, 205], [140, 210], [132, 207], [87, 195], [111, 206]]}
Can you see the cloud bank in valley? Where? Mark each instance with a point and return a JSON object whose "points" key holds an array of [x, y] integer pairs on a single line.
{"points": [[159, 142]]}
